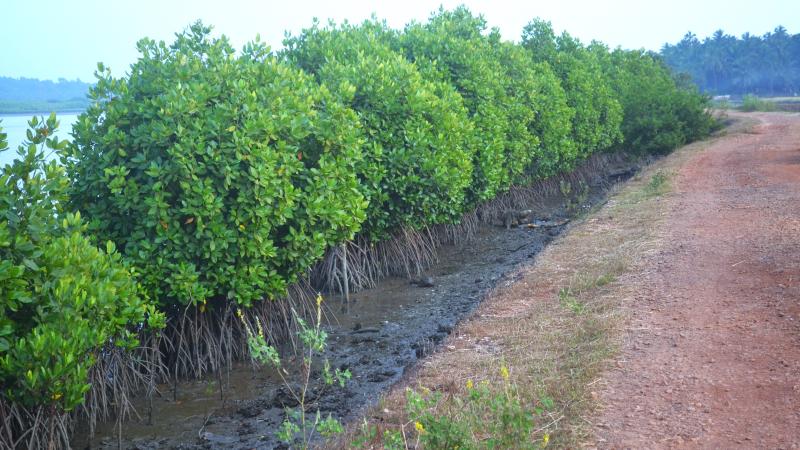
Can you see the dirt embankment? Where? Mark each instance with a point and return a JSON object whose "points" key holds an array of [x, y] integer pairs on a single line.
{"points": [[377, 336], [692, 269], [711, 357], [690, 275]]}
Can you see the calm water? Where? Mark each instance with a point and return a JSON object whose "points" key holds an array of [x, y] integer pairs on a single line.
{"points": [[14, 125]]}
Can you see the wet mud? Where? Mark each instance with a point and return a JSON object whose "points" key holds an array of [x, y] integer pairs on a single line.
{"points": [[378, 335]]}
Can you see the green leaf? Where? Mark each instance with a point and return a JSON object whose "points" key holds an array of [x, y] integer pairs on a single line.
{"points": [[30, 264]]}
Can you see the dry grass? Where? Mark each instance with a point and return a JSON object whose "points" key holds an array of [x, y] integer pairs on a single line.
{"points": [[558, 327]]}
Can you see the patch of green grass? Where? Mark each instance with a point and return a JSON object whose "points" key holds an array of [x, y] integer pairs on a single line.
{"points": [[752, 103], [490, 414], [569, 301], [658, 185]]}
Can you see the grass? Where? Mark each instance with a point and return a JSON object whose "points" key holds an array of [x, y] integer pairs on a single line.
{"points": [[785, 99], [554, 331], [752, 103]]}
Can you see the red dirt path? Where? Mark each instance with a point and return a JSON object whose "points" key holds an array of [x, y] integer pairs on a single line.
{"points": [[712, 355]]}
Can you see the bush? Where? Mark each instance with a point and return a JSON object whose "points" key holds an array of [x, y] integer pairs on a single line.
{"points": [[418, 165], [451, 47], [659, 114], [598, 115], [220, 177], [752, 103], [540, 119], [62, 300]]}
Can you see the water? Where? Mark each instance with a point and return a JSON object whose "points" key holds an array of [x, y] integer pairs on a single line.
{"points": [[15, 125], [377, 335]]}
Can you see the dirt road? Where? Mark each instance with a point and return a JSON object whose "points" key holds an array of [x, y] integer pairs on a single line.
{"points": [[712, 354]]}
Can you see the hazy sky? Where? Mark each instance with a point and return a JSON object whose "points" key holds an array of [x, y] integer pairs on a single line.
{"points": [[59, 38]]}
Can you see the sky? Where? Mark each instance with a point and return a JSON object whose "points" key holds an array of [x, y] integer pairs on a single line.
{"points": [[51, 39]]}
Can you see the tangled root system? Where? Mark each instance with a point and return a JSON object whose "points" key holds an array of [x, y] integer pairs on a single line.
{"points": [[360, 264], [35, 428], [199, 342]]}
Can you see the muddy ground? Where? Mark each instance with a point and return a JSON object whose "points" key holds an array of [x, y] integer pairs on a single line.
{"points": [[377, 336]]}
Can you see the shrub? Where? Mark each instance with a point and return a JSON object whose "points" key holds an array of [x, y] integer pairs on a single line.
{"points": [[752, 103], [659, 114], [598, 115], [219, 176], [540, 119], [418, 165], [451, 47], [62, 300]]}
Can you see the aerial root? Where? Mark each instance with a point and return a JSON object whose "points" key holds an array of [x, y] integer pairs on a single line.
{"points": [[359, 264], [198, 342], [41, 427], [117, 375]]}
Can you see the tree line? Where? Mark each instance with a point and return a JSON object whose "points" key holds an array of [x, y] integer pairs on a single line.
{"points": [[723, 64], [29, 95], [207, 182]]}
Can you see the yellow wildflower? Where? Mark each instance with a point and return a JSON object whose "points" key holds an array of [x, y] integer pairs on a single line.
{"points": [[56, 396], [419, 427], [319, 300], [545, 440], [260, 330], [504, 372], [469, 384]]}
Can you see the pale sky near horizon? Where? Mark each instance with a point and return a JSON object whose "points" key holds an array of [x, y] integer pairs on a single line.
{"points": [[52, 39]]}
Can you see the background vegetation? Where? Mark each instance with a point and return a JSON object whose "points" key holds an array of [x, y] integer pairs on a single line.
{"points": [[750, 64], [63, 301], [28, 95], [222, 177]]}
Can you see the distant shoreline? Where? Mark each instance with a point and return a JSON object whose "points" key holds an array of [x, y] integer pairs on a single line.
{"points": [[22, 107], [40, 113]]}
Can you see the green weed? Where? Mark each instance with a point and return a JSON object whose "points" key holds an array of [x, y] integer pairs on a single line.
{"points": [[752, 103], [488, 415], [298, 428]]}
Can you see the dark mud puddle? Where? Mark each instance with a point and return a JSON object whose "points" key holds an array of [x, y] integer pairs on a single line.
{"points": [[379, 334]]}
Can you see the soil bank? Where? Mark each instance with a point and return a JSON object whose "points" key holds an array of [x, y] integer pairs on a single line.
{"points": [[711, 357], [377, 336]]}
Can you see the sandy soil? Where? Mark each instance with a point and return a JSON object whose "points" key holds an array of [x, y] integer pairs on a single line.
{"points": [[711, 357]]}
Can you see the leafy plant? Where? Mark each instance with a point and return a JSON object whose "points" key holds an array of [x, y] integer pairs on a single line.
{"points": [[597, 113], [298, 426], [752, 103], [541, 121], [62, 300], [660, 113], [451, 48], [418, 159], [657, 182], [485, 416], [568, 300], [221, 177]]}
